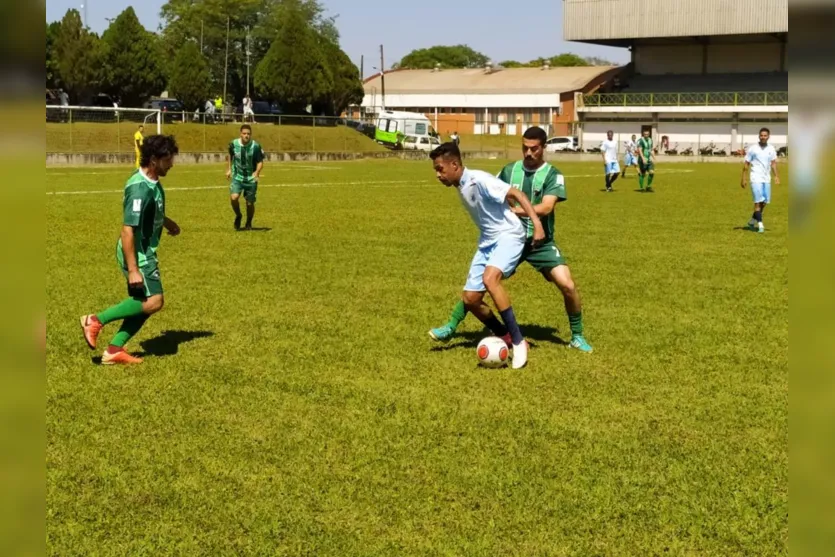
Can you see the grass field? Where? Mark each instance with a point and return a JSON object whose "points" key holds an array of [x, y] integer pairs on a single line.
{"points": [[291, 402], [89, 137]]}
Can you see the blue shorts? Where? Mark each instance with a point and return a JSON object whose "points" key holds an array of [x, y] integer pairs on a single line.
{"points": [[630, 160], [761, 191], [504, 255], [612, 168]]}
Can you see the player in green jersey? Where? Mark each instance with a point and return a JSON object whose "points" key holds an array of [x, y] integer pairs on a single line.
{"points": [[136, 251], [545, 187], [646, 161], [243, 167]]}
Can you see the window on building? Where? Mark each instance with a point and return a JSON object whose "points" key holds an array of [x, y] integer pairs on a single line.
{"points": [[544, 115], [494, 115], [527, 116], [479, 115]]}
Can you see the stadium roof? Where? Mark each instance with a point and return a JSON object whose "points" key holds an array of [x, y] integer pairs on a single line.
{"points": [[497, 81]]}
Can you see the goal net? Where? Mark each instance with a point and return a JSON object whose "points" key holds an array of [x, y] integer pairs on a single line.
{"points": [[90, 129]]}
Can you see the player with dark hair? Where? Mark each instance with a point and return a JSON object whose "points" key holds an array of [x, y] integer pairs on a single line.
{"points": [[136, 251], [544, 185], [243, 167], [501, 242], [760, 162]]}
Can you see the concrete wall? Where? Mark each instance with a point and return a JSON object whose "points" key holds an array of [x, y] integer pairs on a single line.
{"points": [[681, 59]]}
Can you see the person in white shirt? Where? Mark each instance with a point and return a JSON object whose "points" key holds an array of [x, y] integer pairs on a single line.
{"points": [[502, 238], [630, 158], [760, 162], [609, 149], [248, 113]]}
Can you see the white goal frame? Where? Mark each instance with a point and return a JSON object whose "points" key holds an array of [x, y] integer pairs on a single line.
{"points": [[153, 115]]}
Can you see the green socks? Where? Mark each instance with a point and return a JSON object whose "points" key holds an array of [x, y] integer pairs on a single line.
{"points": [[130, 327], [641, 181], [124, 309], [651, 177], [459, 312], [575, 320]]}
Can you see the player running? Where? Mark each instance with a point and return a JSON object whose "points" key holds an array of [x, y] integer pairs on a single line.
{"points": [[761, 162], [609, 149], [544, 185], [629, 159], [646, 163], [136, 251], [501, 242], [243, 167]]}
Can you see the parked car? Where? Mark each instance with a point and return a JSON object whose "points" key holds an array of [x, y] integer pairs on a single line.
{"points": [[172, 109], [565, 143], [420, 143]]}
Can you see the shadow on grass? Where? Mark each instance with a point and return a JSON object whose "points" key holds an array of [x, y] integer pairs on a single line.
{"points": [[166, 344], [534, 334], [745, 228], [256, 229]]}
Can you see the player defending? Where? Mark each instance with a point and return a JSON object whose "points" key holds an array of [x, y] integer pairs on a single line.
{"points": [[760, 161], [243, 167], [609, 148], [501, 242], [646, 164], [138, 138], [544, 185], [629, 159], [136, 251]]}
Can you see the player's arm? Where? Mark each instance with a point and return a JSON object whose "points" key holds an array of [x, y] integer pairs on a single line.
{"points": [[774, 170], [129, 248], [515, 196], [229, 156], [171, 226], [746, 167], [259, 165]]}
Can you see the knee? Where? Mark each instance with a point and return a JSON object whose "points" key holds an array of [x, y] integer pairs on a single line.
{"points": [[472, 300], [153, 304], [250, 203], [492, 278], [567, 288], [234, 197]]}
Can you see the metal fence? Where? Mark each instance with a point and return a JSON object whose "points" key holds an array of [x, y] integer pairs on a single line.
{"points": [[774, 98]]}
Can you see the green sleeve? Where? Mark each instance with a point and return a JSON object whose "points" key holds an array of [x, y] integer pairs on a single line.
{"points": [[258, 154], [136, 200], [506, 175], [555, 185], [231, 150]]}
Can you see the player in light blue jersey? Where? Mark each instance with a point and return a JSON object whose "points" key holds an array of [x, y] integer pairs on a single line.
{"points": [[630, 158], [760, 162], [501, 241], [611, 168]]}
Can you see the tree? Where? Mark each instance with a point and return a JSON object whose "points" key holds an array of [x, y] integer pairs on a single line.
{"points": [[53, 76], [567, 59], [133, 69], [511, 64], [459, 56], [346, 86], [190, 77], [79, 57], [294, 70]]}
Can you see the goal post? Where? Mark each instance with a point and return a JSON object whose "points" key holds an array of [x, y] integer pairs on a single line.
{"points": [[78, 129]]}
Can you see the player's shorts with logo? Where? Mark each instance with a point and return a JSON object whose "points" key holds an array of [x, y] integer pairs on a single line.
{"points": [[248, 189], [504, 255]]}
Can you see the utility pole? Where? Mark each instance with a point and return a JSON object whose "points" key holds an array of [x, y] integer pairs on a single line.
{"points": [[248, 53], [382, 78], [362, 67], [226, 65]]}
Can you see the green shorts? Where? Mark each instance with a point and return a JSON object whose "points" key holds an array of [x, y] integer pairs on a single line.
{"points": [[646, 167], [248, 189], [544, 258], [152, 282]]}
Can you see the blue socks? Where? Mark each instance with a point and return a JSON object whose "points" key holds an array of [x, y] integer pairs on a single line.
{"points": [[510, 322]]}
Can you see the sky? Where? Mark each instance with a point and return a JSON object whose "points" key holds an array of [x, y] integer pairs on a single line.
{"points": [[488, 26]]}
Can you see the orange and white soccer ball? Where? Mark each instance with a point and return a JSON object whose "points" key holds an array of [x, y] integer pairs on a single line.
{"points": [[492, 352]]}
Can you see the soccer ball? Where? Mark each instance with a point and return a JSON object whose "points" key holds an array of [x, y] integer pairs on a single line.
{"points": [[492, 352]]}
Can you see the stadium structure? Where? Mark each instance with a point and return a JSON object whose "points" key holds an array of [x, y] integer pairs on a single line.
{"points": [[701, 71]]}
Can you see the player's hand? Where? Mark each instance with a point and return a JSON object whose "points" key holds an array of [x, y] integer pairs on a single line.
{"points": [[742, 183], [255, 178], [228, 173], [172, 227], [538, 235], [777, 180], [135, 280]]}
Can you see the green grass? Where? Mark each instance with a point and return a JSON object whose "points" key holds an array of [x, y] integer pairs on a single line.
{"points": [[89, 137], [291, 402]]}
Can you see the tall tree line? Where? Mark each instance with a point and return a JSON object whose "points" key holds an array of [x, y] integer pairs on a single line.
{"points": [[295, 58]]}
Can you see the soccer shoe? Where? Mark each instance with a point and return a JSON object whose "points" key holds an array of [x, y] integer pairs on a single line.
{"points": [[238, 222], [120, 357], [91, 326], [442, 333], [761, 228], [752, 223], [520, 355], [248, 225], [649, 189], [508, 340], [580, 343]]}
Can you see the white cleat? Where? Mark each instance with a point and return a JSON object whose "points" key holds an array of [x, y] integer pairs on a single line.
{"points": [[761, 228], [520, 355]]}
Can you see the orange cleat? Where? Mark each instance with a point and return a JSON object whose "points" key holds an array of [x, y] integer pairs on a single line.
{"points": [[91, 326], [120, 357]]}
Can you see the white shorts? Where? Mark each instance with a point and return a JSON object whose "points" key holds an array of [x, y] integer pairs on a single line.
{"points": [[612, 168], [504, 255], [248, 112], [761, 192], [630, 160]]}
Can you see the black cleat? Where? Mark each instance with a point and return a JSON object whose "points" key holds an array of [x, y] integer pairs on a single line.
{"points": [[238, 222]]}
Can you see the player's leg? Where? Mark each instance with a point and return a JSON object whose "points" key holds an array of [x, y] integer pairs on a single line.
{"points": [[614, 174], [235, 190], [447, 330], [642, 175], [473, 296], [651, 172], [500, 264], [250, 195]]}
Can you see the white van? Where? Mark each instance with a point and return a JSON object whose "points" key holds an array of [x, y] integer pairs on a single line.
{"points": [[420, 143], [393, 125]]}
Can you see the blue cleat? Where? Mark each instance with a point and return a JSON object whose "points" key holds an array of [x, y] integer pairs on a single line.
{"points": [[580, 343], [442, 334]]}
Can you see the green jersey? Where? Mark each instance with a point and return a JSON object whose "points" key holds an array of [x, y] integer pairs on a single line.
{"points": [[245, 158], [645, 147], [536, 184], [144, 210]]}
